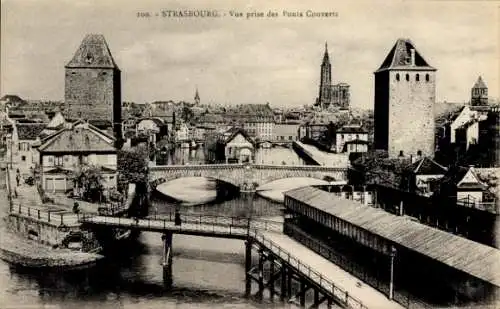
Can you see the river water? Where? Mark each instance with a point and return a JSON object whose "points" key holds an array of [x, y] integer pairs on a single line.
{"points": [[207, 272]]}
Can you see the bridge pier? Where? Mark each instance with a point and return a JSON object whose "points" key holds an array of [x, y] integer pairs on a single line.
{"points": [[293, 286], [167, 259]]}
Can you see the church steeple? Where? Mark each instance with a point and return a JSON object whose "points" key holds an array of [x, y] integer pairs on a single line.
{"points": [[197, 97], [325, 86], [326, 58]]}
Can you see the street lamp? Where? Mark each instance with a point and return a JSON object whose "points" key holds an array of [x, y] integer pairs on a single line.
{"points": [[391, 283]]}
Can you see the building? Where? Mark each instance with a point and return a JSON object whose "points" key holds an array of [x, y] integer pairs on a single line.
{"points": [[26, 136], [425, 176], [286, 132], [76, 146], [405, 92], [153, 128], [93, 84], [479, 93], [238, 146], [351, 138], [182, 133], [331, 96], [256, 119]]}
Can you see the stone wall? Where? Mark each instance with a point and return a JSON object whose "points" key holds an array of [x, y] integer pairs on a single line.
{"points": [[44, 232], [242, 175]]}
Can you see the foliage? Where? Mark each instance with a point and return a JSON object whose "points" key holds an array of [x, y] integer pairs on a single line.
{"points": [[89, 178], [132, 164], [377, 168], [187, 114]]}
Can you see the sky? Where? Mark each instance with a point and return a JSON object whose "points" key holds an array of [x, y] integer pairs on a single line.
{"points": [[257, 60]]}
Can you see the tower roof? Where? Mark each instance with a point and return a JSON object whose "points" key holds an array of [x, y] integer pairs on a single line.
{"points": [[400, 57], [480, 83], [326, 58], [93, 53]]}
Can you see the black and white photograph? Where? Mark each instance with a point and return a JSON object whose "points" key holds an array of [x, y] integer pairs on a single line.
{"points": [[249, 154]]}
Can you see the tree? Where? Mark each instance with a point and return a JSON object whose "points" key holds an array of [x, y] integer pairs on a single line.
{"points": [[132, 164], [187, 114], [133, 168], [89, 180], [377, 168]]}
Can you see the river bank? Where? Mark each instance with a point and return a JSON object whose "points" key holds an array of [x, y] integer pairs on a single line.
{"points": [[28, 253], [24, 252]]}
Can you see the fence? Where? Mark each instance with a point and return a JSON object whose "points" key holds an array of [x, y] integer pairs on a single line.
{"points": [[52, 217], [255, 223], [492, 207], [339, 293], [165, 224]]}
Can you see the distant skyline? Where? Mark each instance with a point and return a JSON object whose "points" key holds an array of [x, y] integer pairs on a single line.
{"points": [[236, 61]]}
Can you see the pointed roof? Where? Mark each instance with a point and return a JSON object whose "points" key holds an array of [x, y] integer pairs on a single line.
{"points": [[326, 58], [93, 53], [427, 166], [196, 95], [78, 137], [400, 58], [480, 83]]}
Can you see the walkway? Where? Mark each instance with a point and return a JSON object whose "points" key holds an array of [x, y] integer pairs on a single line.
{"points": [[324, 158], [167, 225], [326, 274], [342, 279]]}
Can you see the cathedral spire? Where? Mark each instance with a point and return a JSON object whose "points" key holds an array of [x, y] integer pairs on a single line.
{"points": [[326, 58]]}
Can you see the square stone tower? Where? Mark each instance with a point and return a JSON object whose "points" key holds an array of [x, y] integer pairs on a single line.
{"points": [[93, 85], [405, 93]]}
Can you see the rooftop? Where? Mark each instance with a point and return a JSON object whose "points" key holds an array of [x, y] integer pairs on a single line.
{"points": [[400, 57], [93, 53], [29, 131], [78, 137], [476, 259]]}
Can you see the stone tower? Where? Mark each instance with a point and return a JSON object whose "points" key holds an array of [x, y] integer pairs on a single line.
{"points": [[93, 85], [405, 93], [325, 85], [479, 93]]}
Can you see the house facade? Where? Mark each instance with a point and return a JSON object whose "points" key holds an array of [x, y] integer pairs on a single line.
{"points": [[238, 147], [73, 148], [153, 128], [354, 135], [286, 132], [25, 138]]}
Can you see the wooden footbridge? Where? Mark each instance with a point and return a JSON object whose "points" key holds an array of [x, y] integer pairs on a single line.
{"points": [[279, 273]]}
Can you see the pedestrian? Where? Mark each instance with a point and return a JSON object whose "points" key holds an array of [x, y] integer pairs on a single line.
{"points": [[177, 219], [18, 178]]}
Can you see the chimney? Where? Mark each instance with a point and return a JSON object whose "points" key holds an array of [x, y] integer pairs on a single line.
{"points": [[412, 57]]}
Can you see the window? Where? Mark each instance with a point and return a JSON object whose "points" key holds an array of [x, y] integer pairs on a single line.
{"points": [[427, 78], [407, 77], [397, 77], [58, 161], [417, 77], [23, 158]]}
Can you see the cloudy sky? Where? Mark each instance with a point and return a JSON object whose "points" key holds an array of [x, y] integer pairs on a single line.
{"points": [[239, 60]]}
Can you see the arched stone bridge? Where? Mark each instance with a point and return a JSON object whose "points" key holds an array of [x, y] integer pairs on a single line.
{"points": [[244, 176]]}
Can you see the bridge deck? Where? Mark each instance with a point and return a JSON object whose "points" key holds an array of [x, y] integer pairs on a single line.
{"points": [[342, 280], [164, 225]]}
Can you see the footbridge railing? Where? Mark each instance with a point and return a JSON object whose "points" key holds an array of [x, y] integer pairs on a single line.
{"points": [[327, 285], [255, 223]]}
